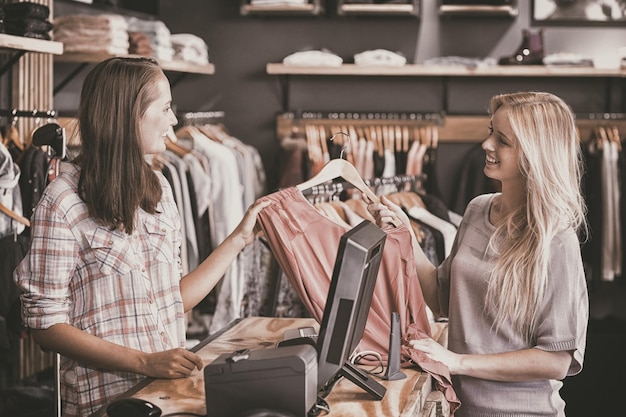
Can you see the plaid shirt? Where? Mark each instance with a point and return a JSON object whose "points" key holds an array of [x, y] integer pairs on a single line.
{"points": [[122, 288]]}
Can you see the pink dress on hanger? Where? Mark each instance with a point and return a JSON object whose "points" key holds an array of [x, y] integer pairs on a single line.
{"points": [[305, 245]]}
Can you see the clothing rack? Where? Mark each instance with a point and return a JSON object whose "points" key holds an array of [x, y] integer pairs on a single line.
{"points": [[200, 117], [28, 113], [602, 116], [359, 116], [286, 123], [396, 180], [588, 122], [338, 187]]}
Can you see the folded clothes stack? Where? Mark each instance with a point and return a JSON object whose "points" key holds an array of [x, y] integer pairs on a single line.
{"points": [[158, 34], [190, 48], [381, 57], [25, 19], [139, 44], [97, 34], [313, 58]]}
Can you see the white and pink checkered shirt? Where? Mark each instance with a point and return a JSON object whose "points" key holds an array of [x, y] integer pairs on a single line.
{"points": [[119, 287]]}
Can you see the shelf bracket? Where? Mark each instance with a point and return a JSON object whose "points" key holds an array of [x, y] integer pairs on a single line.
{"points": [[12, 61], [69, 77], [284, 80]]}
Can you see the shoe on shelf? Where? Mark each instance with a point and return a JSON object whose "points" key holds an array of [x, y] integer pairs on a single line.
{"points": [[530, 52]]}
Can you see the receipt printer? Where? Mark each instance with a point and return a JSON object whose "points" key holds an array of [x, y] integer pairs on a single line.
{"points": [[281, 379]]}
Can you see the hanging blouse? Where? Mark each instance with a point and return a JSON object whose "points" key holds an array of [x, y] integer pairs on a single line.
{"points": [[305, 244]]}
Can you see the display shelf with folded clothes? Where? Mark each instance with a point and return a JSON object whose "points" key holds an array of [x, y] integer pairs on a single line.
{"points": [[13, 42], [24, 27]]}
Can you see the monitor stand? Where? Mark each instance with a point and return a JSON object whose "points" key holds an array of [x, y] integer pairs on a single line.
{"points": [[363, 380]]}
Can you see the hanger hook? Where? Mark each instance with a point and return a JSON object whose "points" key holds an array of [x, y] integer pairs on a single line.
{"points": [[345, 146]]}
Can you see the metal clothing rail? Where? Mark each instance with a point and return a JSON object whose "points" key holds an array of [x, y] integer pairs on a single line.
{"points": [[435, 117], [337, 187], [587, 123], [199, 117], [28, 113], [601, 116]]}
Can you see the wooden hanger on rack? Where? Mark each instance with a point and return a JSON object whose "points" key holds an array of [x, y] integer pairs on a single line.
{"points": [[171, 144], [14, 215], [11, 134]]}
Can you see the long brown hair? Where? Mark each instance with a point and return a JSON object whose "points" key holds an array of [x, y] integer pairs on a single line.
{"points": [[115, 179]]}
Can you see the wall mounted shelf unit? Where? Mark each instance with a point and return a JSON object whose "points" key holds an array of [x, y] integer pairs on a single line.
{"points": [[17, 46], [612, 79], [449, 70], [142, 9], [178, 66], [83, 60]]}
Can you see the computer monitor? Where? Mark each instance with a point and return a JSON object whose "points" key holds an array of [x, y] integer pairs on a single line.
{"points": [[347, 306]]}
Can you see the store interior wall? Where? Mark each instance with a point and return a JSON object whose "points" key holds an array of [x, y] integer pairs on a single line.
{"points": [[241, 46]]}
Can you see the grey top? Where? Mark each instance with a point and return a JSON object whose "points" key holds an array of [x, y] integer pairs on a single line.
{"points": [[562, 318]]}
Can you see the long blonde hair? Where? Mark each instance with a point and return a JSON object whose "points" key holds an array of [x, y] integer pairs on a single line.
{"points": [[551, 163]]}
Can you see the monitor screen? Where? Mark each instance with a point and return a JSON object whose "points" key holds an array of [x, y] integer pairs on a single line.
{"points": [[348, 304]]}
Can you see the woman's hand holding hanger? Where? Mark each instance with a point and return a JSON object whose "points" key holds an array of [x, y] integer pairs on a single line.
{"points": [[386, 212]]}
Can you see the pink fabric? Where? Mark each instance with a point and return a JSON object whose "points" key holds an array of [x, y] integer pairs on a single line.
{"points": [[305, 245]]}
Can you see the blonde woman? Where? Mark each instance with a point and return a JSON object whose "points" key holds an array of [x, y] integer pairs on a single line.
{"points": [[513, 287]]}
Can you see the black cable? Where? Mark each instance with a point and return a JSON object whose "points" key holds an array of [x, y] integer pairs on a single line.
{"points": [[184, 413], [320, 406], [328, 387], [371, 371]]}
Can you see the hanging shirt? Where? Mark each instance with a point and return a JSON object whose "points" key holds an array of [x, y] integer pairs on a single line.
{"points": [[119, 287], [10, 194], [305, 244]]}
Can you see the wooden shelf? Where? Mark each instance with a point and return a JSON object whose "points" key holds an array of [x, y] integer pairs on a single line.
{"points": [[178, 66], [312, 8], [447, 71], [455, 10], [20, 43], [365, 9], [148, 9]]}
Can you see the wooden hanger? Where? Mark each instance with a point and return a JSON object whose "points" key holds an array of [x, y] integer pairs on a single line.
{"points": [[434, 136], [211, 132], [14, 215], [600, 136], [172, 145], [406, 139], [10, 134], [340, 168], [613, 133]]}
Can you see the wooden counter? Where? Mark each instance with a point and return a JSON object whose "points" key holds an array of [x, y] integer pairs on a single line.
{"points": [[410, 397]]}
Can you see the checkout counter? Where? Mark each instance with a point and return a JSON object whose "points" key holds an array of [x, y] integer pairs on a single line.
{"points": [[413, 396]]}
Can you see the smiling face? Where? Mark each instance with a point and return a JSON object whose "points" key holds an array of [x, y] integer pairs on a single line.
{"points": [[157, 119], [502, 151]]}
